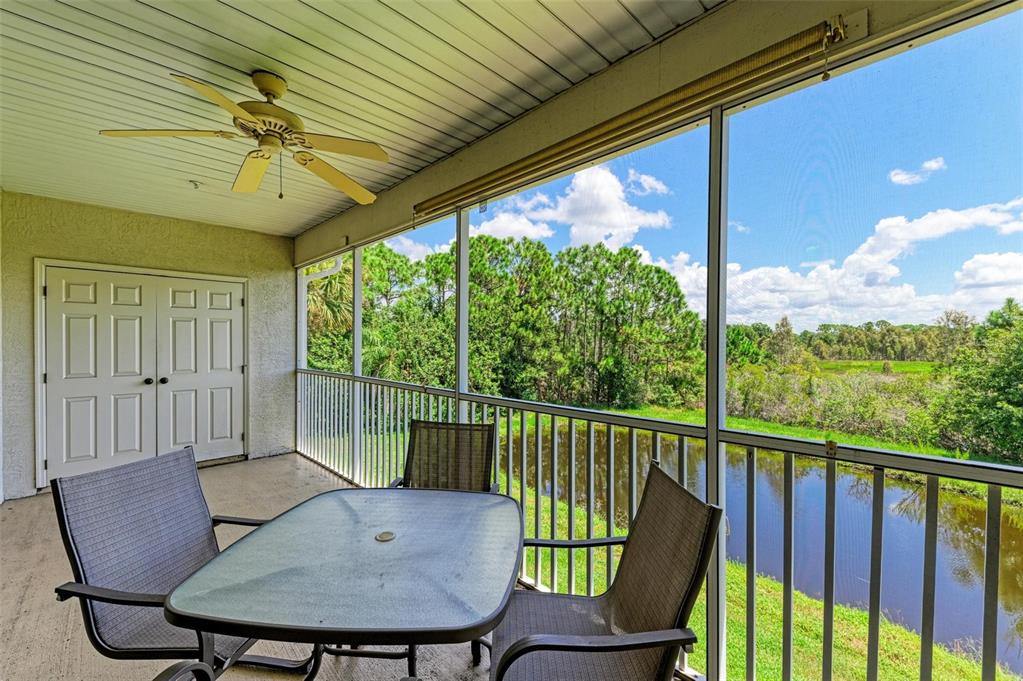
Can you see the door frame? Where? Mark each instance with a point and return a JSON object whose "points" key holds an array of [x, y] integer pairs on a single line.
{"points": [[39, 326]]}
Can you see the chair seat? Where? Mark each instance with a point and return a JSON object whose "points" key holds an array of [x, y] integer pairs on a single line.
{"points": [[531, 612], [149, 630]]}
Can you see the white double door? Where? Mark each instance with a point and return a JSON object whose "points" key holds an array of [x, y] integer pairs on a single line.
{"points": [[138, 365]]}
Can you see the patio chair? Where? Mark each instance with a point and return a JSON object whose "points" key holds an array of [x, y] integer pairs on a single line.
{"points": [[635, 630], [132, 533], [450, 456], [442, 455]]}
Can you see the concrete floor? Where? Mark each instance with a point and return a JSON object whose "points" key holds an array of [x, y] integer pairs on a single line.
{"points": [[41, 639]]}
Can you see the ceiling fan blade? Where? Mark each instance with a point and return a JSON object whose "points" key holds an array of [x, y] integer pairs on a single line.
{"points": [[168, 133], [250, 175], [217, 98], [335, 177], [343, 145]]}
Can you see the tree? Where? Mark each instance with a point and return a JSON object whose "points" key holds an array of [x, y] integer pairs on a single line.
{"points": [[781, 345], [329, 299], [983, 410]]}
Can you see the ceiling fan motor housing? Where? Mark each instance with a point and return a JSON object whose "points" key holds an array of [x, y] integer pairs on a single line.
{"points": [[273, 120]]}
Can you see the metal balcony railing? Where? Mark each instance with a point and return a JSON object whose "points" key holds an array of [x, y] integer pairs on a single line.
{"points": [[579, 473]]}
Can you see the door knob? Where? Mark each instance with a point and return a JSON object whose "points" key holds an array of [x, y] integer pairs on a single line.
{"points": [[148, 381], [163, 380]]}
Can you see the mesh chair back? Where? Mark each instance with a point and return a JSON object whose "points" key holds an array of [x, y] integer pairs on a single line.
{"points": [[140, 527], [665, 558], [450, 456]]}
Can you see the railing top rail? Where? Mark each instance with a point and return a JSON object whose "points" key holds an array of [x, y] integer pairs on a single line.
{"points": [[412, 387], [970, 470], [923, 464]]}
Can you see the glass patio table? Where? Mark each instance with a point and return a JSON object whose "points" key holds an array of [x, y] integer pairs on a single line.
{"points": [[363, 566]]}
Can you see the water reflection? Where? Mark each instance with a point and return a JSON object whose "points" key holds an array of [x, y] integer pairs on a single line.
{"points": [[961, 536]]}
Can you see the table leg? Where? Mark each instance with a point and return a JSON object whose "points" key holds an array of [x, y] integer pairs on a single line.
{"points": [[412, 661]]}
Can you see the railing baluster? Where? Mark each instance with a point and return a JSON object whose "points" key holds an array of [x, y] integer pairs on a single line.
{"points": [[522, 473], [683, 461], [554, 502], [788, 558], [830, 491], [655, 451], [876, 544], [989, 660], [751, 563], [538, 492], [332, 388], [633, 474], [508, 451], [589, 505], [571, 503], [930, 558], [609, 501]]}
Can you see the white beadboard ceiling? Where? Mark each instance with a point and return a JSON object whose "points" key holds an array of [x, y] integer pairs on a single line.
{"points": [[422, 79]]}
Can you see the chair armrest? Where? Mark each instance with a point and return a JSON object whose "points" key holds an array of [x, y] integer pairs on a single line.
{"points": [[235, 520], [395, 483], [593, 644], [187, 670], [573, 543], [495, 488], [104, 595]]}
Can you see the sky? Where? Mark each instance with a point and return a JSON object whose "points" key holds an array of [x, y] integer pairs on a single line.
{"points": [[893, 191]]}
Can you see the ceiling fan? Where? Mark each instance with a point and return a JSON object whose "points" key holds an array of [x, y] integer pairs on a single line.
{"points": [[276, 130]]}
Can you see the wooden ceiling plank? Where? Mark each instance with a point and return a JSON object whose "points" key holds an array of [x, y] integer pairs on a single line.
{"points": [[617, 21], [464, 24], [591, 30], [233, 82], [557, 52], [301, 62], [680, 11], [338, 39], [392, 32], [556, 32], [470, 47]]}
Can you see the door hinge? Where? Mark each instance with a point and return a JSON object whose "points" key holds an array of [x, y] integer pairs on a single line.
{"points": [[243, 437], [44, 378], [46, 465], [243, 368], [44, 291], [242, 300]]}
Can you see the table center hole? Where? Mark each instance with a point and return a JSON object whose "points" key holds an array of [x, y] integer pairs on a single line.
{"points": [[385, 536]]}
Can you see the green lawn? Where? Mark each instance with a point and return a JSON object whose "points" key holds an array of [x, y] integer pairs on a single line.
{"points": [[899, 646], [855, 366]]}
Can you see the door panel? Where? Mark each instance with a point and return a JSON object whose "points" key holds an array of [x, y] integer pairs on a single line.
{"points": [[199, 331], [100, 347]]}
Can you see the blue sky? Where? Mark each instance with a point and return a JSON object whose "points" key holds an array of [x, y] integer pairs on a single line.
{"points": [[892, 192]]}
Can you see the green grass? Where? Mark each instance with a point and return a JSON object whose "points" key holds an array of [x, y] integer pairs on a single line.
{"points": [[1010, 495], [855, 366], [899, 646]]}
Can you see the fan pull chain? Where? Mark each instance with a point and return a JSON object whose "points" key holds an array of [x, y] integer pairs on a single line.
{"points": [[280, 174]]}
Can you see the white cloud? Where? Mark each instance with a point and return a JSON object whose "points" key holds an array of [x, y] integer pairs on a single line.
{"points": [[817, 263], [413, 250], [992, 269], [927, 168], [864, 286], [739, 227], [597, 211], [516, 225], [639, 184]]}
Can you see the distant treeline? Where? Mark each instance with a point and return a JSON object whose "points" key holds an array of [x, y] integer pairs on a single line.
{"points": [[589, 326]]}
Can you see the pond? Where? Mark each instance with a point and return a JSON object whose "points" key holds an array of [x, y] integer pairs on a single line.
{"points": [[958, 612]]}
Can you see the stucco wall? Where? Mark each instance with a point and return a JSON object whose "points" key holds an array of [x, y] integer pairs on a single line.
{"points": [[34, 226]]}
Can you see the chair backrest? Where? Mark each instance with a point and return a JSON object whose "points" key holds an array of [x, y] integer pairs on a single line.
{"points": [[450, 456], [141, 527], [665, 558]]}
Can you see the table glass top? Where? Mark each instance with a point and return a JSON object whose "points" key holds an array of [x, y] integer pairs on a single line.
{"points": [[329, 564]]}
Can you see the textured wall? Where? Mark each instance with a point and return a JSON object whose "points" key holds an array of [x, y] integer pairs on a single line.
{"points": [[33, 227]]}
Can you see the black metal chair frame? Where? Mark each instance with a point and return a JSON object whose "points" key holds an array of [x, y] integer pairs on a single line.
{"points": [[208, 665], [673, 640]]}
